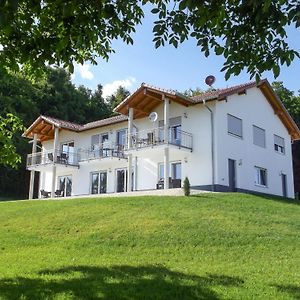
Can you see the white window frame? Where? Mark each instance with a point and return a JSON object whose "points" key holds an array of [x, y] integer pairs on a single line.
{"points": [[232, 133], [170, 168], [91, 181], [278, 146], [256, 144], [258, 178]]}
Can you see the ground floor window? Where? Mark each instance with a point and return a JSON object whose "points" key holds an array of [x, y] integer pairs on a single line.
{"points": [[175, 173], [260, 176], [99, 182], [65, 185]]}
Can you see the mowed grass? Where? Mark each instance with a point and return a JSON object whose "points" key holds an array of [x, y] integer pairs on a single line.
{"points": [[211, 246]]}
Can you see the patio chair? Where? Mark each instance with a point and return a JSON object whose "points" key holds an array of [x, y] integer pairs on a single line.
{"points": [[58, 193], [45, 194], [50, 156]]}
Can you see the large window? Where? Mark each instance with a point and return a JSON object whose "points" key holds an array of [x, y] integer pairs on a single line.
{"points": [[98, 140], [175, 170], [174, 132], [121, 137], [175, 174], [234, 126], [279, 144], [259, 136], [99, 182], [261, 176], [65, 185], [67, 155]]}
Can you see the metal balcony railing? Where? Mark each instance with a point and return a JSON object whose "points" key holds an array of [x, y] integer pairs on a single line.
{"points": [[155, 136], [102, 151], [51, 157]]}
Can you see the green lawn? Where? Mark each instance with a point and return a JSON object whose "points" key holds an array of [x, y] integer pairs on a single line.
{"points": [[213, 246]]}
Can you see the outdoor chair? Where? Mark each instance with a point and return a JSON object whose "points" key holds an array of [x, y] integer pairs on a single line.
{"points": [[45, 194], [58, 193]]}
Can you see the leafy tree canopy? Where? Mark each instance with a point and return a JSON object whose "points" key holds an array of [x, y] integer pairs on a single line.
{"points": [[250, 35], [9, 125], [289, 99]]}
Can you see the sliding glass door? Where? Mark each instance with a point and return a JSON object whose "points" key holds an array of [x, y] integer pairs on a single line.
{"points": [[65, 185], [99, 182]]}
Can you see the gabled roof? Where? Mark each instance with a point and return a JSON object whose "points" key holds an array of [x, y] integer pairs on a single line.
{"points": [[44, 126], [147, 97], [221, 94]]}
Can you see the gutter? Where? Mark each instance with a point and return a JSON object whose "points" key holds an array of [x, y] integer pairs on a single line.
{"points": [[212, 146]]}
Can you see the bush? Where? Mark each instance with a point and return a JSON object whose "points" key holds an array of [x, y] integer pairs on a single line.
{"points": [[186, 187]]}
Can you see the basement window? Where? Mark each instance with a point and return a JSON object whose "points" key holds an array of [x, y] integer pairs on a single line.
{"points": [[261, 176]]}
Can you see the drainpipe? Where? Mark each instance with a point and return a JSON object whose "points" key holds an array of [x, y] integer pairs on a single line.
{"points": [[212, 146]]}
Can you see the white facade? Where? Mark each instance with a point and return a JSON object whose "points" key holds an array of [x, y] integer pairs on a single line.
{"points": [[255, 168]]}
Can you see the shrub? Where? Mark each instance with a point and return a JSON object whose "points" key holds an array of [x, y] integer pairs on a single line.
{"points": [[186, 187]]}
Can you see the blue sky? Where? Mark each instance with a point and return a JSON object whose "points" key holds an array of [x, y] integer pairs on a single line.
{"points": [[167, 67]]}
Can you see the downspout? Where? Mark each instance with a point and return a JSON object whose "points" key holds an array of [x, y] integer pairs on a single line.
{"points": [[212, 146]]}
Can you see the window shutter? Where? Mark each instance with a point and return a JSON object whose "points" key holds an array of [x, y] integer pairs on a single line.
{"points": [[175, 121], [95, 139], [259, 136], [278, 140], [235, 125]]}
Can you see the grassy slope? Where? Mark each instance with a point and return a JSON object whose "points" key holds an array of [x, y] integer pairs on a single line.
{"points": [[226, 246]]}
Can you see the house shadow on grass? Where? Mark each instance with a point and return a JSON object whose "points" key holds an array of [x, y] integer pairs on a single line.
{"points": [[116, 282], [292, 290]]}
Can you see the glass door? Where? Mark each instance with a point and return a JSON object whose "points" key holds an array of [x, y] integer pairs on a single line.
{"points": [[68, 153], [176, 174], [65, 185], [121, 175], [99, 182]]}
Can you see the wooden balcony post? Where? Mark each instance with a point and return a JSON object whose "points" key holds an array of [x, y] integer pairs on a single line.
{"points": [[32, 172]]}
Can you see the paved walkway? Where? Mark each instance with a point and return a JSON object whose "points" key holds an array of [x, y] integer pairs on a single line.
{"points": [[170, 192]]}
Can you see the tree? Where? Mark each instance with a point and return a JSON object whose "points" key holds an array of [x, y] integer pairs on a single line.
{"points": [[289, 99], [250, 35], [9, 126], [117, 97]]}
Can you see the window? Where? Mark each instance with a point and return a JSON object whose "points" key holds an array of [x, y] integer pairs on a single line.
{"points": [[260, 176], [175, 169], [234, 126], [68, 153], [121, 137], [65, 185], [99, 182], [99, 139], [174, 131], [259, 136], [279, 144]]}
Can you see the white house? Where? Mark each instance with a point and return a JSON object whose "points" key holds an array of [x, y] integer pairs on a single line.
{"points": [[233, 139]]}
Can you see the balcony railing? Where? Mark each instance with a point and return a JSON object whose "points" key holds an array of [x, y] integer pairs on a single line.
{"points": [[51, 156], [102, 151], [155, 136]]}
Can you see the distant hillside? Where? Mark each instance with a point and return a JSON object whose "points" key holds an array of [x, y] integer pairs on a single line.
{"points": [[211, 246]]}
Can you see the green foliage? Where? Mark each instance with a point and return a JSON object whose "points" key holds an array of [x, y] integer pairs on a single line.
{"points": [[289, 99], [250, 35], [115, 99], [9, 126], [211, 246], [186, 187], [51, 94]]}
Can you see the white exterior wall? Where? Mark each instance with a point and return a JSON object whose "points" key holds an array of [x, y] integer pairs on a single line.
{"points": [[253, 109]]}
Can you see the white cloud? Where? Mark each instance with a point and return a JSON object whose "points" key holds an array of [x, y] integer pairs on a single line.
{"points": [[83, 70], [110, 88]]}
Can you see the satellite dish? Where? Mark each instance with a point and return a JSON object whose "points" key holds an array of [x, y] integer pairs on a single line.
{"points": [[153, 116], [210, 80]]}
